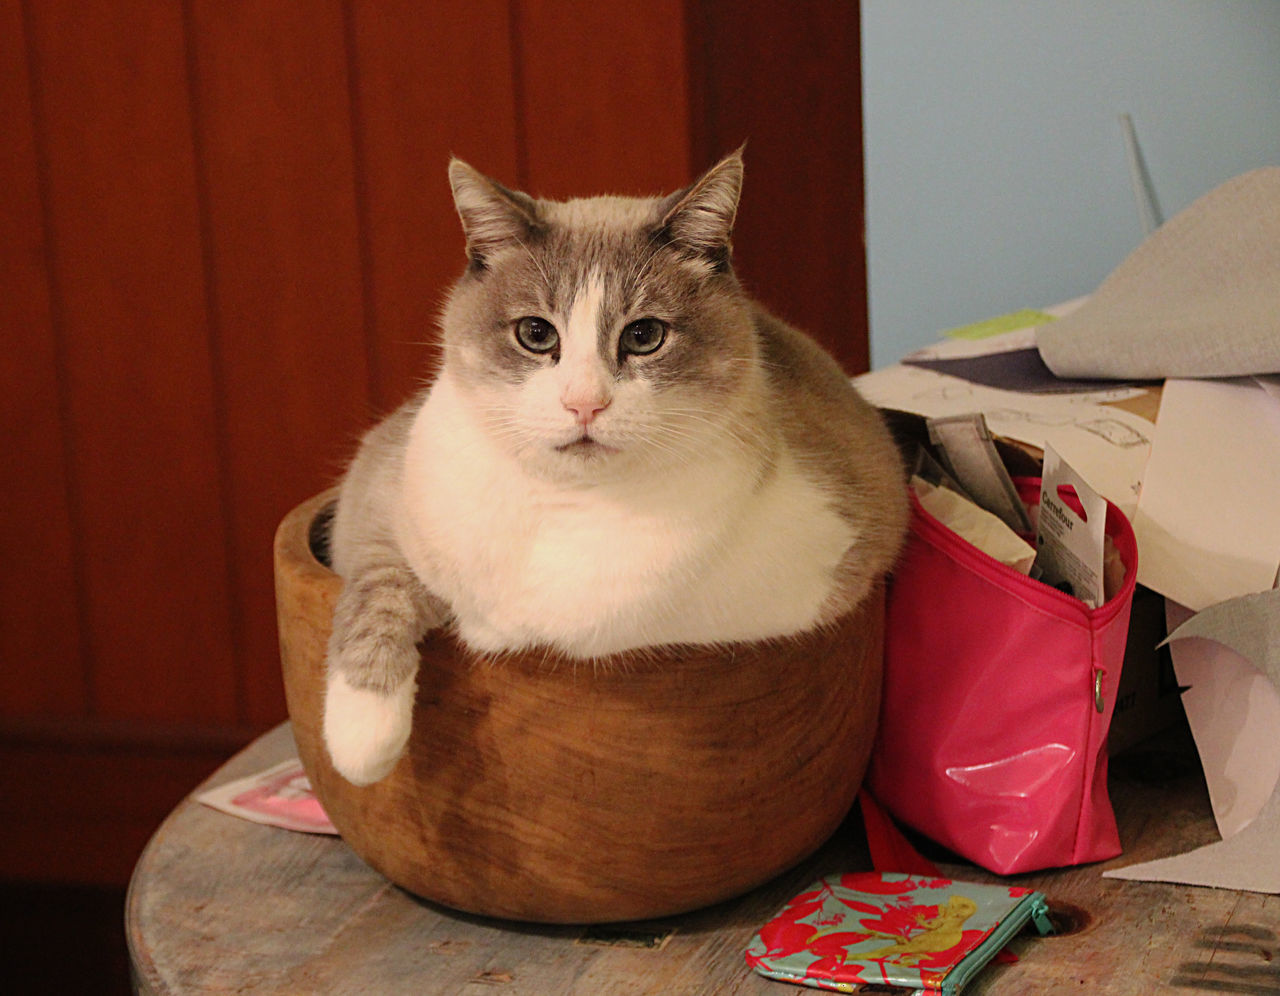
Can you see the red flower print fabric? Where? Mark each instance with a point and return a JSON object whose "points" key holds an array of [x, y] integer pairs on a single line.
{"points": [[879, 927]]}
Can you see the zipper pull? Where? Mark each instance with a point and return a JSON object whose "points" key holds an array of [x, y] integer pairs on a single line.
{"points": [[1099, 702], [1040, 917]]}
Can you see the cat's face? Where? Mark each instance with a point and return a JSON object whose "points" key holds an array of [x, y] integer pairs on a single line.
{"points": [[596, 336]]}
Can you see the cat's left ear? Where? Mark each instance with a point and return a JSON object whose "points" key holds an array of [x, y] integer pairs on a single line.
{"points": [[701, 217], [493, 217]]}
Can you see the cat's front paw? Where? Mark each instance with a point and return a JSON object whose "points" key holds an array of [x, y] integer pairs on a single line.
{"points": [[366, 731]]}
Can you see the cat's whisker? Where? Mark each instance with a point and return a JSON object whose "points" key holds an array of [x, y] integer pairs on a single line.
{"points": [[741, 436]]}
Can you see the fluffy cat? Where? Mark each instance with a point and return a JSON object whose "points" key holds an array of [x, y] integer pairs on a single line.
{"points": [[621, 450]]}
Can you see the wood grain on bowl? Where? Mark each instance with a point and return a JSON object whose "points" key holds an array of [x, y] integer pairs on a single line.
{"points": [[540, 788]]}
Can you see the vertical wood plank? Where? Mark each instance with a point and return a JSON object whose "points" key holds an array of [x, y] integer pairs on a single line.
{"points": [[112, 117], [604, 96], [791, 87], [41, 665], [273, 134], [428, 81]]}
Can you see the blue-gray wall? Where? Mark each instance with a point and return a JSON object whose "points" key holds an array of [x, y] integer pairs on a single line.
{"points": [[995, 164]]}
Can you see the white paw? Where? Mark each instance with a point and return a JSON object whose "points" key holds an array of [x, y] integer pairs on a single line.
{"points": [[365, 732]]}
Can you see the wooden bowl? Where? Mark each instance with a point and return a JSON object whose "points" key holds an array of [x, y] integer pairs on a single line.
{"points": [[561, 792]]}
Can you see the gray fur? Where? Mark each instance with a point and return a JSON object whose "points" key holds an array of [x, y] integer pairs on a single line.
{"points": [[384, 609]]}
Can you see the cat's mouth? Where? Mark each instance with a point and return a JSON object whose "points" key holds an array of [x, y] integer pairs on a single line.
{"points": [[586, 446]]}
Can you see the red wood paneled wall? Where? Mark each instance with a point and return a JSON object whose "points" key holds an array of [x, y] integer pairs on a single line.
{"points": [[226, 231]]}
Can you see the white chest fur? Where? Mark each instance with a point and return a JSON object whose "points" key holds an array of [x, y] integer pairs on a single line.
{"points": [[694, 554]]}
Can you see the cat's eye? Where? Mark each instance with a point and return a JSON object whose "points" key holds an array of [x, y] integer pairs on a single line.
{"points": [[642, 337], [537, 335]]}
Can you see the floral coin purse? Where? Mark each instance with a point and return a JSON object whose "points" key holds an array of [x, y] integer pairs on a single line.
{"points": [[884, 928]]}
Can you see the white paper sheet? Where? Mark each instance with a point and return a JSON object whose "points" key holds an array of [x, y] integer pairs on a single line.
{"points": [[1004, 342], [1208, 521], [1234, 712], [954, 349], [1249, 859]]}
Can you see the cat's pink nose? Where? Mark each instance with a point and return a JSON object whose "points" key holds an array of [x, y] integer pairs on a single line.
{"points": [[585, 409]]}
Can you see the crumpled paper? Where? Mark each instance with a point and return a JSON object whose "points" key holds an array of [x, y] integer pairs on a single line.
{"points": [[975, 525]]}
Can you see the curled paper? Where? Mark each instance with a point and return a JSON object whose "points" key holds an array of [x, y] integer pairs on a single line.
{"points": [[1200, 297], [1249, 859]]}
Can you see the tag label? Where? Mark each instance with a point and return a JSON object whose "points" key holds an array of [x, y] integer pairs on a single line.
{"points": [[1071, 532]]}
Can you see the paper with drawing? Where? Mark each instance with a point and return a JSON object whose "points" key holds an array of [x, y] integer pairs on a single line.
{"points": [[1107, 445]]}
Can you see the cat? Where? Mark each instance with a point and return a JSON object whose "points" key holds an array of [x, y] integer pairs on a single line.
{"points": [[621, 450]]}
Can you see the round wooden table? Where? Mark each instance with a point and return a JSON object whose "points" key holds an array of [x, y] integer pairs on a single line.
{"points": [[219, 905]]}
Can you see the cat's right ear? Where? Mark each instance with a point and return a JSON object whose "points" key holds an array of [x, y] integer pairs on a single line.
{"points": [[493, 217], [701, 217]]}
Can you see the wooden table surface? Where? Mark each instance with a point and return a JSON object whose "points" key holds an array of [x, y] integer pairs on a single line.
{"points": [[221, 905]]}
